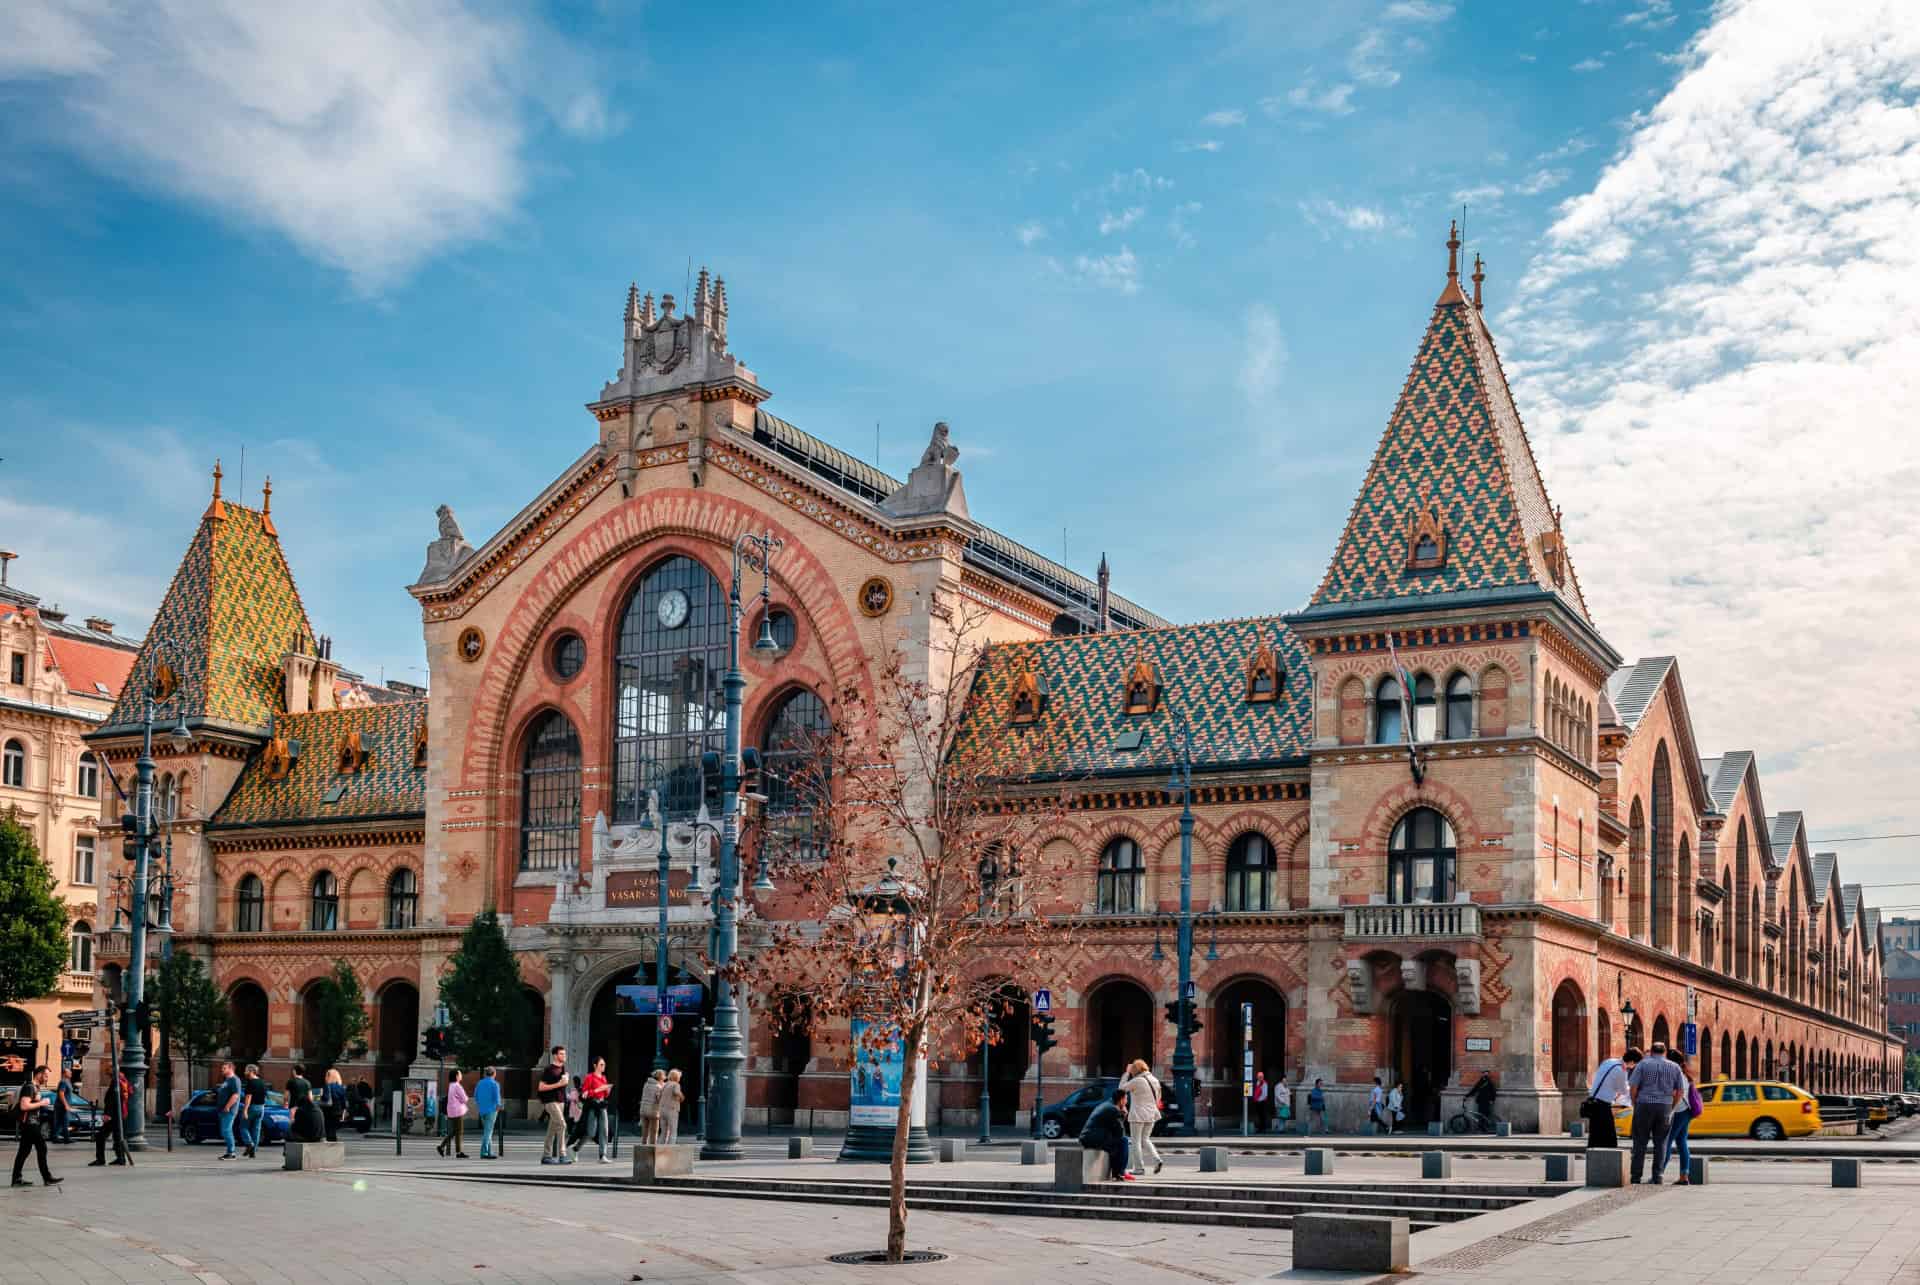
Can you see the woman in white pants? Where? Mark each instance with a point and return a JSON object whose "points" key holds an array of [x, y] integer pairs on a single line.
{"points": [[1143, 1112]]}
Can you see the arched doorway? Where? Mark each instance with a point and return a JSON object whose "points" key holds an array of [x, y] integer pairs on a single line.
{"points": [[1269, 1039], [788, 1029], [1740, 1057], [1007, 1060], [1768, 1068], [246, 1025], [1706, 1054], [396, 1035], [623, 1032], [1570, 1062], [1421, 1057], [1726, 1054], [1604, 1032], [1661, 1035], [1120, 1026]]}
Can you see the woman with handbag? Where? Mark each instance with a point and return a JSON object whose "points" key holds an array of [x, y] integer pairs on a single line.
{"points": [[1143, 1112], [1683, 1118]]}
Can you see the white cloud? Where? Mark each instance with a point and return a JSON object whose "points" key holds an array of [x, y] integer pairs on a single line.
{"points": [[1730, 423], [1367, 62], [1031, 232], [1334, 100], [1224, 118], [1263, 354], [1136, 180], [1544, 180], [1119, 271], [1589, 64], [1528, 57], [1204, 145], [1111, 223], [1481, 194], [1329, 216], [1177, 226], [371, 135], [1419, 11], [1572, 147], [1652, 14]]}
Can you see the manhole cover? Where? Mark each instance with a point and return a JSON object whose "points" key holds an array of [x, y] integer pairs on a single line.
{"points": [[878, 1257]]}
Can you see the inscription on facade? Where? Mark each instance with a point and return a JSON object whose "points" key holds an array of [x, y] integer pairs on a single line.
{"points": [[641, 888]]}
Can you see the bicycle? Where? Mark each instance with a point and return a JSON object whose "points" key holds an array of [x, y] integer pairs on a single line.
{"points": [[1473, 1120]]}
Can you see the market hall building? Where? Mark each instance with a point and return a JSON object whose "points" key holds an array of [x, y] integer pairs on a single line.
{"points": [[1553, 868]]}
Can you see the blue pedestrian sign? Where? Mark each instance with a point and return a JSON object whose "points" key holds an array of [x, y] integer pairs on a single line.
{"points": [[1690, 1039], [1043, 1000], [66, 1050], [1186, 992]]}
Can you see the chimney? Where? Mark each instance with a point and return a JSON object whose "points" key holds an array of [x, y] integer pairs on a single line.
{"points": [[325, 670], [6, 558], [298, 666], [100, 624], [52, 613], [1106, 617]]}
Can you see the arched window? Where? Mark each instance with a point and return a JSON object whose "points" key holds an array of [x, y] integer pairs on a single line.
{"points": [[86, 781], [166, 798], [669, 708], [1386, 713], [249, 905], [324, 903], [1250, 873], [1459, 708], [550, 794], [1420, 858], [796, 761], [1425, 711], [82, 960], [1121, 877], [13, 765], [403, 899]]}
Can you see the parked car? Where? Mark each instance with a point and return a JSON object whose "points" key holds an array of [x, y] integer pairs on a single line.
{"points": [[1763, 1109], [79, 1122], [200, 1120], [1065, 1118]]}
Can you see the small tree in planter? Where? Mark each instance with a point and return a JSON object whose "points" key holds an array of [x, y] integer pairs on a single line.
{"points": [[192, 1010], [486, 1013], [340, 1020]]}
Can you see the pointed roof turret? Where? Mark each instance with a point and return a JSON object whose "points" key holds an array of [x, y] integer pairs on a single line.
{"points": [[215, 508], [1453, 506]]}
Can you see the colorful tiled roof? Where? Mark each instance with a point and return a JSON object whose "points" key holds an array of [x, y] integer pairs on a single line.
{"points": [[231, 613], [387, 784], [1455, 442], [1083, 725]]}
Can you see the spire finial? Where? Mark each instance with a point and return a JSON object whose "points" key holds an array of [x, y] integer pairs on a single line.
{"points": [[217, 475], [633, 301], [216, 508], [1479, 275], [266, 507], [1453, 250], [1106, 616]]}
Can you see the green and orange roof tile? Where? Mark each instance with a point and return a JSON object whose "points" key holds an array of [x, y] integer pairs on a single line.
{"points": [[317, 788]]}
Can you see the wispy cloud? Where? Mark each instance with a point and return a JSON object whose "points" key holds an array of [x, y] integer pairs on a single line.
{"points": [[1135, 180], [1263, 354], [1111, 223], [1331, 216], [1542, 181], [1119, 271], [1031, 233], [1479, 194], [1178, 227], [1203, 145], [1651, 14], [1225, 118], [1418, 11], [360, 131], [1367, 64], [1333, 100], [1586, 65]]}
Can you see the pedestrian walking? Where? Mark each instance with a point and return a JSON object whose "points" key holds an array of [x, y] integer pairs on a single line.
{"points": [[552, 1091], [593, 1104], [256, 1108], [576, 1115], [33, 1103], [671, 1096], [63, 1106], [1483, 1092], [333, 1103], [1377, 1106], [1262, 1102], [1143, 1112], [456, 1116], [1657, 1086], [230, 1099], [1683, 1117], [1396, 1107], [307, 1124], [1106, 1130], [1606, 1090], [1317, 1106], [486, 1104], [650, 1108], [112, 1121]]}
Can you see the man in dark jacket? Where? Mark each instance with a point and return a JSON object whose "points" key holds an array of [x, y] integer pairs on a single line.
{"points": [[1106, 1130], [113, 1113]]}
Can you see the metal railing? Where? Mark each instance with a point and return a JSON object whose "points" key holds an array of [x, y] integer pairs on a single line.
{"points": [[1455, 919]]}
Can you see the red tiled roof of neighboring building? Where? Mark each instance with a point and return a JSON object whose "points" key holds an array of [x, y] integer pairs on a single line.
{"points": [[92, 669]]}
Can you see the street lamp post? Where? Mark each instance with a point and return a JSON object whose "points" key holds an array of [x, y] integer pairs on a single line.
{"points": [[1182, 783]]}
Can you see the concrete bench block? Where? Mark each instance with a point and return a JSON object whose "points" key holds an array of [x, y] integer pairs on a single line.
{"points": [[951, 1149], [314, 1155], [1606, 1167], [1344, 1242], [1213, 1160], [1075, 1168], [1846, 1173], [799, 1148], [1578, 1129], [1503, 1129], [651, 1162], [1433, 1128], [1700, 1171], [1559, 1169], [1319, 1163], [1035, 1153], [1436, 1164]]}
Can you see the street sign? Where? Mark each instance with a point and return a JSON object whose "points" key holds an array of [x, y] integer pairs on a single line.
{"points": [[666, 1024], [1043, 1000], [1690, 1039], [66, 1050], [439, 1014], [1187, 991], [81, 1017], [1693, 1006]]}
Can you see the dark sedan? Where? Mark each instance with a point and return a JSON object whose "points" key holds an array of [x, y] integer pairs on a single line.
{"points": [[1065, 1118], [200, 1119]]}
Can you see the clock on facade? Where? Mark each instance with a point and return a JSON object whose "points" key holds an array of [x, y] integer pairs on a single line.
{"points": [[672, 609]]}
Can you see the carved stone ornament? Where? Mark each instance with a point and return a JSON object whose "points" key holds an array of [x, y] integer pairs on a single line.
{"points": [[1360, 985], [875, 597], [1466, 977], [934, 485], [1413, 975], [445, 554], [472, 645]]}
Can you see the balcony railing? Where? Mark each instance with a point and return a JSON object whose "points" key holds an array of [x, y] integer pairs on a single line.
{"points": [[74, 984], [1445, 920]]}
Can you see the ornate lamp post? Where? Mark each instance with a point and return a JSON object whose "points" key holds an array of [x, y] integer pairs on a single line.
{"points": [[1181, 783]]}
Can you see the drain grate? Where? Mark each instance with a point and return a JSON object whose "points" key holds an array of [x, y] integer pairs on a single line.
{"points": [[878, 1258]]}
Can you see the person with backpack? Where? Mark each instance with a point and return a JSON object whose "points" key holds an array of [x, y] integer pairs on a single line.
{"points": [[1143, 1112], [1607, 1089], [112, 1121], [32, 1105]]}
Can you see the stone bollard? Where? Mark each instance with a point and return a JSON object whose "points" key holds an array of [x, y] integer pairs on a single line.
{"points": [[951, 1149], [1075, 1168], [799, 1148], [1343, 1242], [1213, 1160], [1846, 1173], [1436, 1164], [314, 1155], [1319, 1163], [1559, 1169], [652, 1162], [1503, 1129], [1606, 1167], [1035, 1153], [1578, 1129], [1700, 1171], [1433, 1128]]}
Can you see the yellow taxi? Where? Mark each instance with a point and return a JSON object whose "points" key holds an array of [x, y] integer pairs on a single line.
{"points": [[1765, 1109]]}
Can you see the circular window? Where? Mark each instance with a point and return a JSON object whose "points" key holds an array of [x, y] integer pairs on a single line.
{"points": [[569, 655], [781, 625]]}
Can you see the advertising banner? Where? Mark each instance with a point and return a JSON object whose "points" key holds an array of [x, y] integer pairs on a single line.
{"points": [[877, 1072], [644, 1001]]}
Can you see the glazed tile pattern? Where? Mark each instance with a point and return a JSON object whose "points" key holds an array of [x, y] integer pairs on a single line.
{"points": [[388, 784], [1203, 672], [231, 612]]}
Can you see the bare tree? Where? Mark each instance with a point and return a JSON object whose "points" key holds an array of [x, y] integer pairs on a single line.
{"points": [[911, 894]]}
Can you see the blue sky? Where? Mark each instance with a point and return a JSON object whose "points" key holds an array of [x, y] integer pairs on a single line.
{"points": [[1162, 267]]}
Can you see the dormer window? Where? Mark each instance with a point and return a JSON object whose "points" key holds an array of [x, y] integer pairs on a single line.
{"points": [[1029, 697], [278, 758], [1553, 553], [420, 747], [1263, 675], [1142, 692], [1427, 540], [353, 756]]}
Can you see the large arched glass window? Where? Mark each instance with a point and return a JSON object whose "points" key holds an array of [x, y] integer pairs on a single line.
{"points": [[669, 708], [13, 765], [1121, 877], [1425, 710], [1459, 708], [1420, 858], [323, 915], [550, 794], [82, 960], [1386, 713], [86, 781], [403, 899], [796, 764], [166, 803], [250, 905], [1250, 873]]}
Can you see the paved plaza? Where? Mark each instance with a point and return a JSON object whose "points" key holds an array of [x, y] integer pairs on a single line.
{"points": [[191, 1217]]}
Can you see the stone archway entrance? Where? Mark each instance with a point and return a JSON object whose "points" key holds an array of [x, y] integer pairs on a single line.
{"points": [[626, 1038], [1119, 1026], [1269, 1040], [1421, 1055], [396, 1036], [1008, 1058]]}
